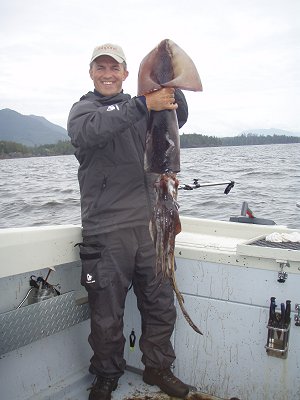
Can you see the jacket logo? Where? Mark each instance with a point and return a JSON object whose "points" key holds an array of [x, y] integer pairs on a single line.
{"points": [[89, 279], [113, 107]]}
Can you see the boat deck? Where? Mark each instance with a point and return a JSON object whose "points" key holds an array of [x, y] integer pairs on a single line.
{"points": [[131, 387], [227, 281]]}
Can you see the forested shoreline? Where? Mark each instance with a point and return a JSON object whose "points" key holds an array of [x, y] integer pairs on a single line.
{"points": [[193, 140], [18, 150], [196, 140]]}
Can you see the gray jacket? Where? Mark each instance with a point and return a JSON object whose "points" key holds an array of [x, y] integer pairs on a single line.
{"points": [[109, 136]]}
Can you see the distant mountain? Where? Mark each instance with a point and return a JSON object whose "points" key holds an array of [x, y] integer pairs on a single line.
{"points": [[271, 132], [30, 130]]}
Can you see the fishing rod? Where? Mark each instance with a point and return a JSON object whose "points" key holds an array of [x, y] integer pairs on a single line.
{"points": [[196, 185]]}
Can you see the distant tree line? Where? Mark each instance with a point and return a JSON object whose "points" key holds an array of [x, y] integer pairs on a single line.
{"points": [[14, 150], [192, 140], [252, 139], [196, 140]]}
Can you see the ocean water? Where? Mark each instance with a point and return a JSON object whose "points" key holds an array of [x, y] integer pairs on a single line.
{"points": [[44, 190]]}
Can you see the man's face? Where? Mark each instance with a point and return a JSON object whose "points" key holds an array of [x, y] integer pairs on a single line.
{"points": [[108, 75]]}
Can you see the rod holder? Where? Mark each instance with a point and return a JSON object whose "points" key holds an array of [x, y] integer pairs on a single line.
{"points": [[278, 329], [278, 341]]}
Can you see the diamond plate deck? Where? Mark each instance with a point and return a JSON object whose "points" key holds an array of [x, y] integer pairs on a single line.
{"points": [[33, 322]]}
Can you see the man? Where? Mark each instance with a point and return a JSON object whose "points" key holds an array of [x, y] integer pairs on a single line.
{"points": [[108, 129]]}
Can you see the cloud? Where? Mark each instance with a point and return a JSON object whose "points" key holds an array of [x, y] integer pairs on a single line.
{"points": [[246, 53]]}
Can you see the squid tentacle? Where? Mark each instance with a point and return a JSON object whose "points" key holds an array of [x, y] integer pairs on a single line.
{"points": [[165, 225]]}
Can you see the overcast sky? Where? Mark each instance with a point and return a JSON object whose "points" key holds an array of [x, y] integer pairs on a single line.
{"points": [[247, 53]]}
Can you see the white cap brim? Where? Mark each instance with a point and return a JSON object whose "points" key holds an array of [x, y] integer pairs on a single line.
{"points": [[115, 57]]}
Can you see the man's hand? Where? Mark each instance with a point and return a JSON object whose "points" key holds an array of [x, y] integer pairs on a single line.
{"points": [[162, 99]]}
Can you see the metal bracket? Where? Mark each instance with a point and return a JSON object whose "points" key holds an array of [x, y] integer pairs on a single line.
{"points": [[297, 316], [282, 276]]}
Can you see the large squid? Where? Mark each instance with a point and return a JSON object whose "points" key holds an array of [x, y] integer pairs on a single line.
{"points": [[167, 65]]}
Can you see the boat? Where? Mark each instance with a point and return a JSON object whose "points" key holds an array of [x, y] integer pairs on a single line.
{"points": [[227, 273]]}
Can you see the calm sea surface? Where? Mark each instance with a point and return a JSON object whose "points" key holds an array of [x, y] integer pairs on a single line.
{"points": [[44, 190]]}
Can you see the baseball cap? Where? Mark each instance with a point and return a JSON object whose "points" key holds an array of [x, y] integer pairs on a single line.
{"points": [[109, 49]]}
